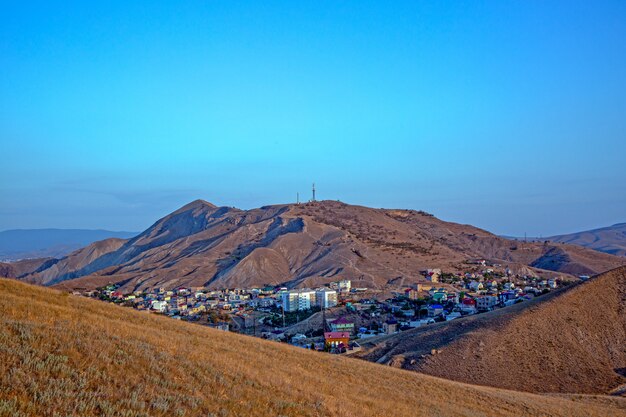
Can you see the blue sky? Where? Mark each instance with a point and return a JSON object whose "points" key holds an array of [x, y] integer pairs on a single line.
{"points": [[507, 115]]}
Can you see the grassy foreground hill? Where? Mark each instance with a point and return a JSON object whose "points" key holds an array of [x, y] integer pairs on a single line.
{"points": [[573, 340], [62, 355]]}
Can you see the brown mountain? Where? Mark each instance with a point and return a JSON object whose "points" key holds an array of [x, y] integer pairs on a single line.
{"points": [[302, 245], [50, 243], [23, 267], [73, 356], [573, 340], [610, 239]]}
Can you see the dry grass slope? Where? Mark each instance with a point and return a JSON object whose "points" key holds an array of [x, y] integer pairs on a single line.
{"points": [[62, 355], [570, 341]]}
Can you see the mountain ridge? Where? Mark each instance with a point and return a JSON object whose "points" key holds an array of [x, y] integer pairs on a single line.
{"points": [[606, 239], [610, 239], [310, 244], [16, 244]]}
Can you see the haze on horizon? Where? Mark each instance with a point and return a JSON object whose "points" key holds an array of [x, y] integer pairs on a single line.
{"points": [[510, 116]]}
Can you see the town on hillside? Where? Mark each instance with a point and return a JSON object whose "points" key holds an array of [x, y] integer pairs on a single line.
{"points": [[334, 318]]}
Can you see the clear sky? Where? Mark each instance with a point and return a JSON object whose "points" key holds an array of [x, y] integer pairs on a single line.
{"points": [[507, 115]]}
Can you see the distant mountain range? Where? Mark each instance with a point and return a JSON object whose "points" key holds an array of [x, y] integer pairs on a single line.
{"points": [[611, 239], [301, 245], [50, 243]]}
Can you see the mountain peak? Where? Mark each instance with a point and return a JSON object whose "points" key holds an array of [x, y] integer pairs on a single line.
{"points": [[309, 245], [195, 204]]}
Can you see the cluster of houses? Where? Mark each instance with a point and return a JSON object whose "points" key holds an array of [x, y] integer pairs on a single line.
{"points": [[187, 303], [338, 337], [190, 303], [351, 316], [305, 299], [422, 304], [433, 301]]}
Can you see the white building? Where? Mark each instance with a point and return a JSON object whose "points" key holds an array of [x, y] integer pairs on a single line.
{"points": [[326, 298], [295, 300], [344, 285], [475, 286], [298, 337], [486, 302], [265, 302], [432, 275], [159, 306]]}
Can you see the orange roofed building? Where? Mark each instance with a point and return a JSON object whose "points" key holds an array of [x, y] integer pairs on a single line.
{"points": [[336, 339]]}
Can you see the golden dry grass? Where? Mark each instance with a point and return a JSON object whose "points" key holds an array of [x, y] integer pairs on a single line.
{"points": [[572, 340], [62, 355]]}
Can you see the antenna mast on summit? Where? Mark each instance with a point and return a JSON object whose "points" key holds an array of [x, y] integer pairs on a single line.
{"points": [[313, 199]]}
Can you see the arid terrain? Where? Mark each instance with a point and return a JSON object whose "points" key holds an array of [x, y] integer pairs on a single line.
{"points": [[50, 243], [610, 239], [24, 267], [572, 340], [71, 356], [303, 245]]}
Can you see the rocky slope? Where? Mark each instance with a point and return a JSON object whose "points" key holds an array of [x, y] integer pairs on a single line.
{"points": [[50, 243], [610, 239], [21, 268], [573, 340], [303, 245]]}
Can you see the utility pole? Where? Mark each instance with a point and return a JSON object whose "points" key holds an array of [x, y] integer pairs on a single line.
{"points": [[283, 315], [253, 324], [324, 313], [313, 193]]}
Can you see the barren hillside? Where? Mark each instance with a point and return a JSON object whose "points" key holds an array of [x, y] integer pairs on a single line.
{"points": [[70, 356], [573, 340], [304, 245], [21, 268], [50, 243], [610, 239]]}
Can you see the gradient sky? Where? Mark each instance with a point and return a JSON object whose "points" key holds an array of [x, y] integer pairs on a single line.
{"points": [[510, 116]]}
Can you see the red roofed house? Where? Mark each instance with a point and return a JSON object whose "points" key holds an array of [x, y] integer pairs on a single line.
{"points": [[341, 325], [336, 339], [468, 305], [468, 302]]}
